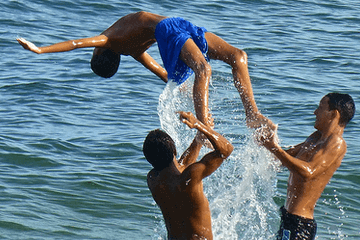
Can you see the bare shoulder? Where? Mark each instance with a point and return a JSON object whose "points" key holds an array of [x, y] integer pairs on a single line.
{"points": [[337, 142], [335, 148], [152, 178], [193, 172]]}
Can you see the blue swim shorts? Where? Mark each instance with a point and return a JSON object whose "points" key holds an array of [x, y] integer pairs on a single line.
{"points": [[171, 34]]}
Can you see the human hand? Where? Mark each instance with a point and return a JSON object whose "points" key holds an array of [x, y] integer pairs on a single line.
{"points": [[28, 45], [210, 121], [266, 137], [188, 118]]}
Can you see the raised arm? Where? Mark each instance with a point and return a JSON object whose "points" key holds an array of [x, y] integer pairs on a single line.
{"points": [[211, 161], [147, 61], [97, 41], [191, 154]]}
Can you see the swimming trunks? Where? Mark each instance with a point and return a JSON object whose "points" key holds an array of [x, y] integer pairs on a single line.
{"points": [[171, 34], [295, 227]]}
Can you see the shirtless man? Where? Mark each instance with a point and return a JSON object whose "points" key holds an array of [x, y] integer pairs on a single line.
{"points": [[177, 186], [184, 49], [312, 164]]}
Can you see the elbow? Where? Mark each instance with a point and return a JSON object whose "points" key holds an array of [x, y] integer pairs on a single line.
{"points": [[227, 150], [239, 58]]}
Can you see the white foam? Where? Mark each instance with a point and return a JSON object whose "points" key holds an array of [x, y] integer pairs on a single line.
{"points": [[241, 191]]}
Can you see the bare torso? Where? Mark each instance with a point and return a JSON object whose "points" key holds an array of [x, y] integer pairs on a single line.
{"points": [[303, 193], [133, 34], [183, 204]]}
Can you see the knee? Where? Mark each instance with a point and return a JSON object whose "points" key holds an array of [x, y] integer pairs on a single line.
{"points": [[203, 69], [239, 58]]}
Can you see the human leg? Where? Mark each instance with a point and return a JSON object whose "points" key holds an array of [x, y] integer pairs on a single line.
{"points": [[192, 56], [219, 49]]}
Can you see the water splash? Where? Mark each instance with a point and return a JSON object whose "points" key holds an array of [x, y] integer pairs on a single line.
{"points": [[241, 191], [241, 195], [173, 99]]}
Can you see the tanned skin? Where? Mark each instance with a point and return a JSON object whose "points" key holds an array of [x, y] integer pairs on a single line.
{"points": [[133, 34], [313, 162], [178, 189]]}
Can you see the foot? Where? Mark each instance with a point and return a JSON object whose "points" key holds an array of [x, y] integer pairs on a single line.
{"points": [[259, 121], [265, 129]]}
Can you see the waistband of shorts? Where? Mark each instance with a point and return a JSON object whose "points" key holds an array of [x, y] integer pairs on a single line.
{"points": [[286, 214]]}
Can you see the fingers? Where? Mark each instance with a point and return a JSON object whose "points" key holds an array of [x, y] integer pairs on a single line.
{"points": [[28, 45]]}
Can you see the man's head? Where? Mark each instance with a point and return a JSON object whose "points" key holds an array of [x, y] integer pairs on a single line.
{"points": [[159, 149], [105, 62], [343, 103]]}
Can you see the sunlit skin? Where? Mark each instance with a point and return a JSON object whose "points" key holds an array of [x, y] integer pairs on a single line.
{"points": [[133, 34], [178, 189], [313, 162]]}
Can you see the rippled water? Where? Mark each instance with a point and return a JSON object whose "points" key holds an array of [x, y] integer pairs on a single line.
{"points": [[71, 165]]}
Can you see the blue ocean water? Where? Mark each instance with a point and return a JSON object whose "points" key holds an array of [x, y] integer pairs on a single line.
{"points": [[71, 165]]}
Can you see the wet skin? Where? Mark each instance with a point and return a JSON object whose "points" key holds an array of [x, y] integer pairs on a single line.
{"points": [[313, 162], [178, 189], [133, 34]]}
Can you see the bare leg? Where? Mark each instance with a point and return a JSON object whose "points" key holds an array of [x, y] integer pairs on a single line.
{"points": [[192, 56], [237, 59]]}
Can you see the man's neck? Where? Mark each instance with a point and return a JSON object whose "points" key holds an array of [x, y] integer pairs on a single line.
{"points": [[332, 129]]}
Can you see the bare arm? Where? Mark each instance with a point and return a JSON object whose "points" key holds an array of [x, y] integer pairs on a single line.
{"points": [[97, 41], [147, 61], [211, 161], [293, 151], [192, 152], [333, 150]]}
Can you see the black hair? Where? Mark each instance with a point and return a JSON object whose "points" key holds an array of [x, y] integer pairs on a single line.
{"points": [[159, 149], [344, 104], [105, 64]]}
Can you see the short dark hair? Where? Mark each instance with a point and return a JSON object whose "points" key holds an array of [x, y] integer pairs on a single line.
{"points": [[344, 104], [105, 64], [159, 149]]}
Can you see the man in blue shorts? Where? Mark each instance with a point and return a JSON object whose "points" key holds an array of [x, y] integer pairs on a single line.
{"points": [[184, 48], [312, 164]]}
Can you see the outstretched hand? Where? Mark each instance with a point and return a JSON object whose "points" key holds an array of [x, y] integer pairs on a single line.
{"points": [[28, 45], [265, 131]]}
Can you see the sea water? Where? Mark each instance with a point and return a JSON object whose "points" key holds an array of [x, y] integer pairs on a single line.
{"points": [[241, 191], [71, 162]]}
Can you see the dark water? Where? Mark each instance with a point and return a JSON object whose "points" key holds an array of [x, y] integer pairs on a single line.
{"points": [[71, 165]]}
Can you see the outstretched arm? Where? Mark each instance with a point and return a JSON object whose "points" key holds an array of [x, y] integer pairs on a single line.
{"points": [[211, 161], [147, 61], [97, 41], [331, 151]]}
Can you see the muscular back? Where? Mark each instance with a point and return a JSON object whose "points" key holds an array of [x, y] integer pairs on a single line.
{"points": [[133, 34], [183, 205]]}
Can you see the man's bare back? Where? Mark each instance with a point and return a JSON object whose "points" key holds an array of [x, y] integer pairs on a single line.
{"points": [[176, 186], [177, 196], [133, 34]]}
